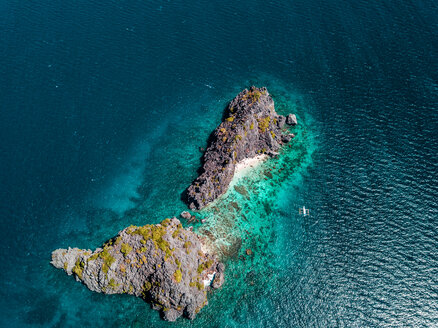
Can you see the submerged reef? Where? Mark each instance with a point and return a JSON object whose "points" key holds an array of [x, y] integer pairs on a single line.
{"points": [[164, 264], [250, 127], [171, 267]]}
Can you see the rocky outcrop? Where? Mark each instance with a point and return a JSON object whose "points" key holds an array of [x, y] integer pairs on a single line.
{"points": [[251, 127], [291, 119], [186, 215], [164, 264]]}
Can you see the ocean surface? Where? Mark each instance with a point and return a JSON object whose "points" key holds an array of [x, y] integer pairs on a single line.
{"points": [[103, 108]]}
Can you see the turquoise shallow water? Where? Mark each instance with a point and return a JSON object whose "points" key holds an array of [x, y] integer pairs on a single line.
{"points": [[105, 105]]}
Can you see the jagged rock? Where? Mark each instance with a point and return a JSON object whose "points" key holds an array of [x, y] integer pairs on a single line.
{"points": [[291, 119], [286, 138], [219, 276], [273, 153], [220, 267], [186, 215], [281, 121], [164, 264], [171, 315], [251, 127]]}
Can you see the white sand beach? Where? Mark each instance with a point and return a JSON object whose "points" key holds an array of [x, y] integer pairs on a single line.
{"points": [[248, 163]]}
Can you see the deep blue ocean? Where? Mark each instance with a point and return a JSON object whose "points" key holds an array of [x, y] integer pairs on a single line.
{"points": [[103, 108]]}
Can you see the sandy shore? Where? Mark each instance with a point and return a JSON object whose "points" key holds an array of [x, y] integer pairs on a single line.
{"points": [[248, 163]]}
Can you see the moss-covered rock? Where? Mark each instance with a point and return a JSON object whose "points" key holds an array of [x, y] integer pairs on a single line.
{"points": [[158, 262], [126, 249], [251, 127]]}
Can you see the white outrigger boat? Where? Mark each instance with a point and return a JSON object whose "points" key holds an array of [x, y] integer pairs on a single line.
{"points": [[304, 211]]}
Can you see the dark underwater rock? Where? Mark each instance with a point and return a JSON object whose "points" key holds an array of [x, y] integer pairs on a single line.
{"points": [[251, 127], [164, 264]]}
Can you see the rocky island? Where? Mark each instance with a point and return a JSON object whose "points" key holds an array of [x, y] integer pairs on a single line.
{"points": [[169, 266], [164, 264], [250, 128]]}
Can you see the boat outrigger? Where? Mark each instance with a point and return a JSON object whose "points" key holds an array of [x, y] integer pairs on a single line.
{"points": [[304, 211]]}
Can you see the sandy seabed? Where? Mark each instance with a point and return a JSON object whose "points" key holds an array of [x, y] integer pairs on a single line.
{"points": [[248, 163]]}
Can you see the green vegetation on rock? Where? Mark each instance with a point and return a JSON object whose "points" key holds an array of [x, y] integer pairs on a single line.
{"points": [[78, 268], [254, 95], [147, 286], [93, 257], [204, 266], [113, 284], [178, 275], [176, 233], [264, 123], [187, 246], [107, 258], [126, 249], [155, 234]]}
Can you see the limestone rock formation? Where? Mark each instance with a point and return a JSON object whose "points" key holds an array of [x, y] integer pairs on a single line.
{"points": [[251, 127], [185, 215], [164, 264], [291, 119]]}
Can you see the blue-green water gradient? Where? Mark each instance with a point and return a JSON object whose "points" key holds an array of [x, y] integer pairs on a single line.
{"points": [[103, 108]]}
